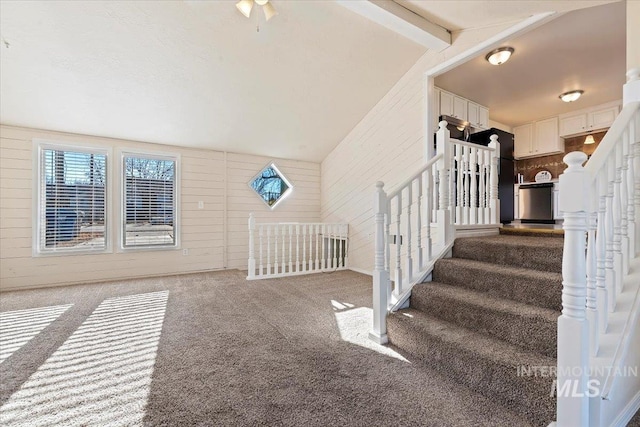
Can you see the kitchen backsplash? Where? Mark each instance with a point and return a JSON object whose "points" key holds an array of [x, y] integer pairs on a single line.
{"points": [[554, 164]]}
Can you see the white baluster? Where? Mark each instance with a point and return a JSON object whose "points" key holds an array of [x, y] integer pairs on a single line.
{"points": [[317, 235], [291, 248], [573, 327], [493, 186], [310, 264], [284, 262], [324, 252], [252, 260], [459, 188], [487, 180], [609, 264], [275, 250], [345, 259], [631, 210], [592, 314], [473, 166], [398, 285], [261, 270], [334, 242], [636, 193], [466, 191], [624, 198], [387, 236], [381, 282], [268, 250], [602, 300], [297, 248], [617, 220], [304, 248], [429, 211], [409, 259], [419, 214]]}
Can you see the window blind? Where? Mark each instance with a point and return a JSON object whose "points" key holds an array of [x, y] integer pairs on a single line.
{"points": [[72, 201], [149, 201]]}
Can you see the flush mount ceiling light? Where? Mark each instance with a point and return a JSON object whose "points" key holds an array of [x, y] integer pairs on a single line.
{"points": [[245, 6], [571, 96], [499, 56], [589, 140]]}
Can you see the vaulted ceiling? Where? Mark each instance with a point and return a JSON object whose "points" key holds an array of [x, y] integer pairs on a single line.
{"points": [[199, 74]]}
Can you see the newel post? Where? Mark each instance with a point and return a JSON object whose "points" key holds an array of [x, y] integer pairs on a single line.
{"points": [[381, 281], [573, 327], [443, 216], [252, 260], [493, 180]]}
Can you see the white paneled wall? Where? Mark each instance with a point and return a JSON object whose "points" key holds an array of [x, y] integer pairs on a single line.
{"points": [[215, 236], [387, 145]]}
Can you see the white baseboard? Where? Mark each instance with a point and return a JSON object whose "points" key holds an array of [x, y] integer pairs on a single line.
{"points": [[628, 412]]}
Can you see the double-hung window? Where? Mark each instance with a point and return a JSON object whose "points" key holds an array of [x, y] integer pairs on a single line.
{"points": [[149, 217], [71, 200]]}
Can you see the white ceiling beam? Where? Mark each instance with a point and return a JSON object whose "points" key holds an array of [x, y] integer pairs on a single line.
{"points": [[401, 20]]}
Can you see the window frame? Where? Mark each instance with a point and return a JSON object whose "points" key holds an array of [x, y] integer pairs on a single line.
{"points": [[37, 230], [175, 157], [282, 176]]}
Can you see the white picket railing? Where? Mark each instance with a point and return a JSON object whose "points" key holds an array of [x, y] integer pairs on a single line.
{"points": [[415, 224], [289, 249], [601, 207]]}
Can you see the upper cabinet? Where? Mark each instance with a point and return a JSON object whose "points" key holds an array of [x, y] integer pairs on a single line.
{"points": [[537, 139], [463, 109], [588, 120], [477, 115]]}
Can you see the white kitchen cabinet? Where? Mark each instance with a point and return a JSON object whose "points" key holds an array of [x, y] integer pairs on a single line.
{"points": [[460, 107], [477, 115], [588, 120], [537, 139], [546, 138], [483, 117], [473, 113], [522, 140], [446, 103]]}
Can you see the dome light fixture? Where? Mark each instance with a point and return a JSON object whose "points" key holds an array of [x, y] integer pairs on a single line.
{"points": [[500, 55], [589, 140], [571, 95]]}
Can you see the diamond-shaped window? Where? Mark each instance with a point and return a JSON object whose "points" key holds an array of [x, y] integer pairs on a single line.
{"points": [[271, 185]]}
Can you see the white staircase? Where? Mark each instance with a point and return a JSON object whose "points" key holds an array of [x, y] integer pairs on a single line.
{"points": [[598, 380]]}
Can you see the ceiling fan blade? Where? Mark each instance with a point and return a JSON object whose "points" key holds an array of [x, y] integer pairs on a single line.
{"points": [[245, 6], [269, 11]]}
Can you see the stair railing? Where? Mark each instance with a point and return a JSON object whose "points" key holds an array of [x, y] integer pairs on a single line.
{"points": [[415, 224], [293, 248], [600, 203]]}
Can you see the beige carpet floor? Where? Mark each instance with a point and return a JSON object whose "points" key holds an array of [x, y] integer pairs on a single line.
{"points": [[213, 349]]}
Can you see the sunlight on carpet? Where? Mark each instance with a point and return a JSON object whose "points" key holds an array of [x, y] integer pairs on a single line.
{"points": [[354, 325], [18, 327], [101, 375]]}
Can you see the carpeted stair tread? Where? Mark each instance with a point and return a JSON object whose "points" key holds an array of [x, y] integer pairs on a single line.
{"points": [[539, 288], [530, 327], [485, 364], [522, 251]]}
